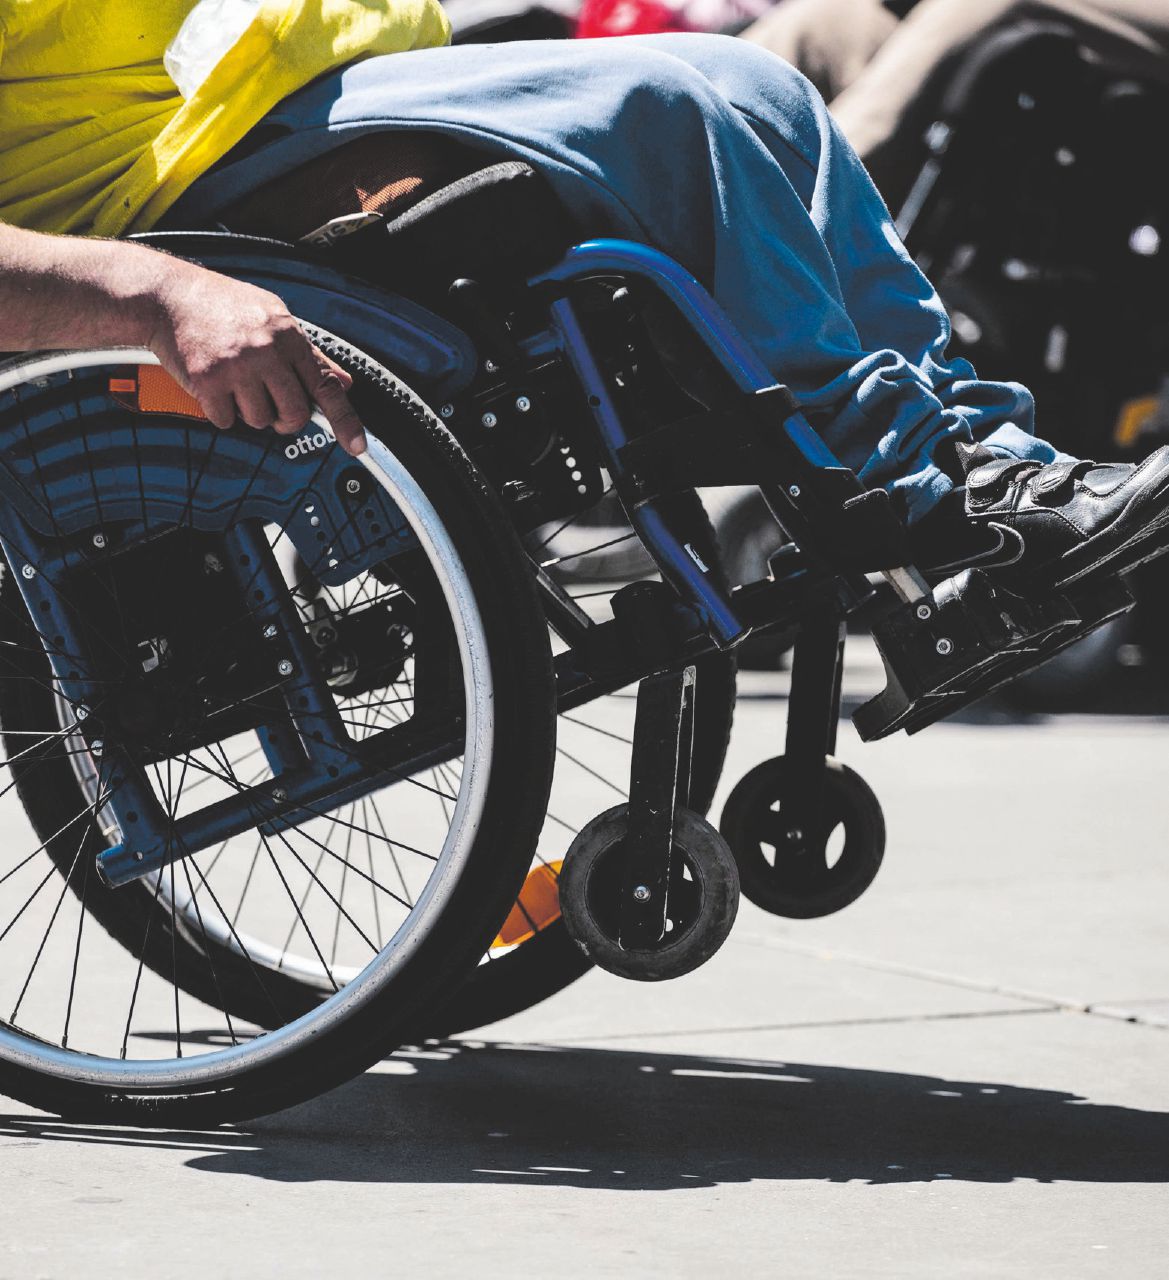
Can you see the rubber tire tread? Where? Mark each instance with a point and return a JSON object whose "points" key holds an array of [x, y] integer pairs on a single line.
{"points": [[678, 953]]}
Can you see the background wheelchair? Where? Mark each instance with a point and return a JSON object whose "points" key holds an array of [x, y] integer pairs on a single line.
{"points": [[1055, 272], [283, 722]]}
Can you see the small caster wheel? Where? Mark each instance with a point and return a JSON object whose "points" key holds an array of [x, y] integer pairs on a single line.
{"points": [[703, 897], [783, 870]]}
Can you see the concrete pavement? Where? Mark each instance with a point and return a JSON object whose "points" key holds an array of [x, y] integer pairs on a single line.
{"points": [[964, 1074]]}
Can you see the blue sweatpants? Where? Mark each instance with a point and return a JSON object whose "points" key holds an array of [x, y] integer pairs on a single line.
{"points": [[725, 157]]}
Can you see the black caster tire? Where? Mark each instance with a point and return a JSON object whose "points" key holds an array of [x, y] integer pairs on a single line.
{"points": [[704, 897], [803, 885]]}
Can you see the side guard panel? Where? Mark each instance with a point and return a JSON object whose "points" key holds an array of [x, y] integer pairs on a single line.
{"points": [[429, 353], [70, 452]]}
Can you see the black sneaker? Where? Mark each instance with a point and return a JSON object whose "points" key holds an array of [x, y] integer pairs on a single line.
{"points": [[1047, 527]]}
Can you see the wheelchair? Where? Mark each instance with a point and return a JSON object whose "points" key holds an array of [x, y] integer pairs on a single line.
{"points": [[280, 724], [1054, 269], [1054, 272]]}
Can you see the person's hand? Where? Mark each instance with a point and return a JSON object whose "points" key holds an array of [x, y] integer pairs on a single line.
{"points": [[242, 355]]}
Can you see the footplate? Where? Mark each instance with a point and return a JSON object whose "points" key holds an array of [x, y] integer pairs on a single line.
{"points": [[968, 637]]}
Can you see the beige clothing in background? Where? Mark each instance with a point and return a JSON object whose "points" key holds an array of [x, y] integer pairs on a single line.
{"points": [[871, 66]]}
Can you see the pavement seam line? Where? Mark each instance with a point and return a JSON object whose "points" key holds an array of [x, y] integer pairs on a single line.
{"points": [[891, 1019], [1039, 999]]}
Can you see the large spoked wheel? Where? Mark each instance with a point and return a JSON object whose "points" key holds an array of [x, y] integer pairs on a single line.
{"points": [[279, 961]]}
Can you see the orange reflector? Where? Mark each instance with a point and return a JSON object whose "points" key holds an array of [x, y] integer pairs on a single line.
{"points": [[1132, 417], [155, 391], [158, 392], [537, 907]]}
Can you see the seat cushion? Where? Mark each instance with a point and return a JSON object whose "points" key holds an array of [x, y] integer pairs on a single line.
{"points": [[448, 211], [376, 173]]}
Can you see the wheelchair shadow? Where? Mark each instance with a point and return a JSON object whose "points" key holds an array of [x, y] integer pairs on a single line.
{"points": [[471, 1113]]}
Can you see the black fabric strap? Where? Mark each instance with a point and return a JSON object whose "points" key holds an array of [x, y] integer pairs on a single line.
{"points": [[1058, 475]]}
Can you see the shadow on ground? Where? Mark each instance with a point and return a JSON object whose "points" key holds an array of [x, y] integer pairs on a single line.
{"points": [[522, 1114]]}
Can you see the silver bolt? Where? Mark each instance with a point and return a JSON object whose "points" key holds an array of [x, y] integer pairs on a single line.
{"points": [[523, 404], [270, 631], [284, 667], [139, 857], [490, 366], [447, 411], [28, 571], [794, 490], [795, 835], [641, 893], [945, 647], [279, 794], [96, 747], [924, 611], [82, 713], [99, 540], [353, 485], [489, 420]]}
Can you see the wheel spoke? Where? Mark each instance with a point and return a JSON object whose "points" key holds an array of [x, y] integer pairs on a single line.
{"points": [[48, 928], [208, 951], [141, 964]]}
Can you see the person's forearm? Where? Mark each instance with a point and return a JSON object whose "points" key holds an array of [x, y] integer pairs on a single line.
{"points": [[235, 347], [58, 291]]}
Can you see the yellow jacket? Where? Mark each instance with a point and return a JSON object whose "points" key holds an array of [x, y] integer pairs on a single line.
{"points": [[94, 137]]}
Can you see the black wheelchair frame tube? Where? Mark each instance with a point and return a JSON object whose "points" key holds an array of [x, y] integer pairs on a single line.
{"points": [[659, 784]]}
